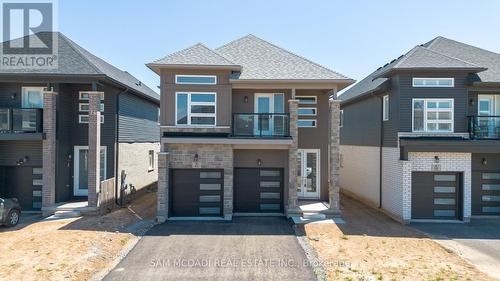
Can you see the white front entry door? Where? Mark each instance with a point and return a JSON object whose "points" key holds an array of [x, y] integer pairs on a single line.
{"points": [[80, 176], [308, 170]]}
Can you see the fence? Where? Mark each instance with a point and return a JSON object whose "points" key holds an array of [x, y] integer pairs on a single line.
{"points": [[106, 199]]}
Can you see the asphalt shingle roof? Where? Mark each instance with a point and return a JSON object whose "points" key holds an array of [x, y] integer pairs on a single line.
{"points": [[198, 54], [75, 60], [439, 53], [262, 60]]}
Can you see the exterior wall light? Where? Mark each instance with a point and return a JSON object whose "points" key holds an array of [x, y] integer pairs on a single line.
{"points": [[195, 157], [245, 99], [484, 162], [259, 162], [436, 159]]}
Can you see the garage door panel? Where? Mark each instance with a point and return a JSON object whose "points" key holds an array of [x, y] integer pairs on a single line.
{"points": [[258, 190], [486, 193], [197, 192]]}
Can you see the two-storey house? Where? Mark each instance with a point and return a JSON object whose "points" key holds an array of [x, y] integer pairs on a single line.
{"points": [[247, 128], [65, 129], [421, 135]]}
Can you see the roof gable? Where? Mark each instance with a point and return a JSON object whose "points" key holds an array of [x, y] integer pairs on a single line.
{"points": [[197, 54]]}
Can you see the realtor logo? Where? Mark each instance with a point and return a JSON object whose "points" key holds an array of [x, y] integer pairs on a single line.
{"points": [[28, 35]]}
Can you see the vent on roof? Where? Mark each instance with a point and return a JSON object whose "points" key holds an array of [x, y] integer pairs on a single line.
{"points": [[139, 83], [392, 61], [400, 56], [385, 65], [379, 68]]}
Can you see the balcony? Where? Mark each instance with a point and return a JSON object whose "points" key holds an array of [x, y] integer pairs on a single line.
{"points": [[20, 121], [484, 127], [261, 125]]}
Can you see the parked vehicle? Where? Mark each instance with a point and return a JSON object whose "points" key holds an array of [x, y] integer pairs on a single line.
{"points": [[10, 210]]}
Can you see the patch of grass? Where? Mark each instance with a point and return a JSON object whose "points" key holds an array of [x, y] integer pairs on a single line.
{"points": [[344, 237], [123, 242]]}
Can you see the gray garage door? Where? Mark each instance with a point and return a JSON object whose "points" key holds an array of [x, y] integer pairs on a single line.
{"points": [[486, 193], [196, 192], [436, 195], [258, 190]]}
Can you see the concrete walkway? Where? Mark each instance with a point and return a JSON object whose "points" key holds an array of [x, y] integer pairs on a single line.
{"points": [[478, 242], [244, 249]]}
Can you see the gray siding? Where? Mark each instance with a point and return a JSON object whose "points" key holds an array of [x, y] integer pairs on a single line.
{"points": [[12, 151], [459, 93], [138, 120], [361, 123]]}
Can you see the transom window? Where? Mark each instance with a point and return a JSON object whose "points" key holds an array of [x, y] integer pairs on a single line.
{"points": [[433, 82], [307, 111], [32, 97], [195, 108], [306, 123], [306, 99], [196, 79], [433, 115], [84, 107]]}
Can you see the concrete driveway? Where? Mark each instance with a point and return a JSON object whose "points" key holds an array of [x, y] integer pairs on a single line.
{"points": [[244, 249], [478, 242]]}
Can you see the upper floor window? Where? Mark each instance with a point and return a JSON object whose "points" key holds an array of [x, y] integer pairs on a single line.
{"points": [[195, 108], [32, 97], [306, 99], [433, 115], [196, 79], [151, 160], [385, 107], [433, 82], [307, 111]]}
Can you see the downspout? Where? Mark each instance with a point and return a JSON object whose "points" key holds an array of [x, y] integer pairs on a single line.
{"points": [[117, 144], [380, 150]]}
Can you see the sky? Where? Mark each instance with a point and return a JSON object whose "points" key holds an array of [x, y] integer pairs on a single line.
{"points": [[350, 37]]}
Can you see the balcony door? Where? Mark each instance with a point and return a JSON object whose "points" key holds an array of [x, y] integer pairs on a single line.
{"points": [[488, 107], [266, 105], [308, 173], [80, 176]]}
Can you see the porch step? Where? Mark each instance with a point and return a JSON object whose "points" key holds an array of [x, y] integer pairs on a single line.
{"points": [[67, 214], [313, 216]]}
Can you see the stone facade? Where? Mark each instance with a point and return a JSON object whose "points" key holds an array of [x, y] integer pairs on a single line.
{"points": [[49, 149], [94, 154], [448, 162], [134, 159], [292, 203], [162, 193], [334, 161]]}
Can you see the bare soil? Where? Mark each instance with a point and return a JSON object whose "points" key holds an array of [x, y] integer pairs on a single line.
{"points": [[70, 249], [371, 246]]}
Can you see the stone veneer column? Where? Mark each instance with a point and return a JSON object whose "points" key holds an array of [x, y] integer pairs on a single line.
{"points": [[94, 153], [162, 194], [292, 207], [49, 149], [334, 165]]}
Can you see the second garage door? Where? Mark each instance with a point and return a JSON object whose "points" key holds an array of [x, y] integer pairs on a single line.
{"points": [[436, 195], [258, 190], [196, 192]]}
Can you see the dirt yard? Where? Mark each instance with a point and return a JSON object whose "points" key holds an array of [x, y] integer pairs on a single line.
{"points": [[70, 249], [371, 246]]}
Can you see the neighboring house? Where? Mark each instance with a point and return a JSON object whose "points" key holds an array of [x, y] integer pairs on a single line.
{"points": [[47, 122], [245, 129], [421, 135]]}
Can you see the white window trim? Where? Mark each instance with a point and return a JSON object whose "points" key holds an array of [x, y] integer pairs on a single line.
{"points": [[184, 83], [426, 100], [315, 123], [76, 168], [433, 86], [314, 97], [189, 103], [80, 116], [341, 121], [86, 110], [24, 91], [80, 95], [313, 108], [151, 164], [385, 109]]}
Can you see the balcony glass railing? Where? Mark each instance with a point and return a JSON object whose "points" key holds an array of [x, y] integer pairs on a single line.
{"points": [[261, 125], [484, 127], [20, 120]]}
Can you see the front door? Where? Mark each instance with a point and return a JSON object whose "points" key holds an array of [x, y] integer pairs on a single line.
{"points": [[308, 171], [80, 176], [265, 107]]}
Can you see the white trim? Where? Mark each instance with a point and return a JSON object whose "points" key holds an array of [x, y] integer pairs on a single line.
{"points": [[341, 121], [86, 110], [151, 160], [313, 108], [303, 160], [185, 126], [76, 167], [80, 95], [189, 114], [426, 100], [385, 108], [308, 103], [183, 83], [432, 78], [86, 122], [314, 120], [24, 91]]}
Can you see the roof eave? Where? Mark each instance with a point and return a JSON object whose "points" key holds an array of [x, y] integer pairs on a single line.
{"points": [[338, 84], [387, 73], [380, 89], [156, 67]]}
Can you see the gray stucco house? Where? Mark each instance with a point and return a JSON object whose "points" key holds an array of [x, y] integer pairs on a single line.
{"points": [[53, 149], [421, 135], [246, 128]]}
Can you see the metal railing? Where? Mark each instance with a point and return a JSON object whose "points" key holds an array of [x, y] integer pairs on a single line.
{"points": [[21, 120], [261, 125], [484, 127]]}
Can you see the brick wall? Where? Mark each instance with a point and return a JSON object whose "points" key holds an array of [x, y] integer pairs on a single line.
{"points": [[134, 159], [392, 182]]}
